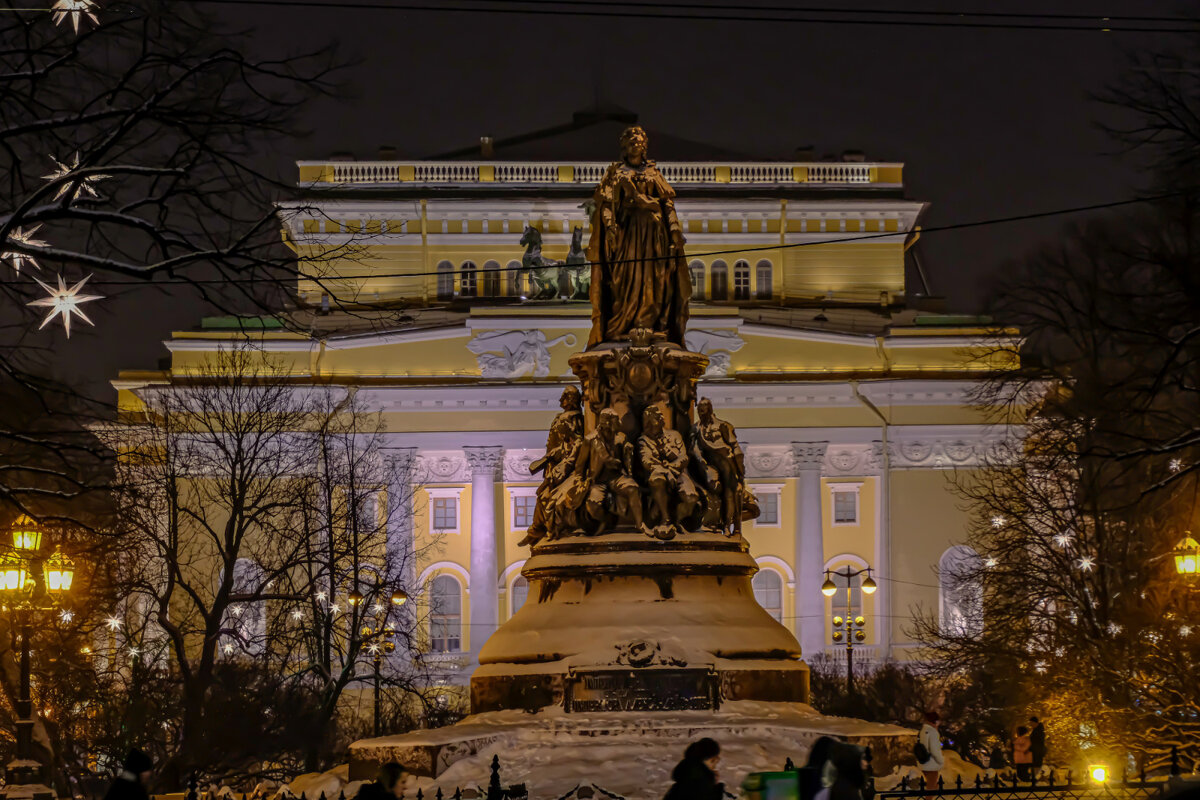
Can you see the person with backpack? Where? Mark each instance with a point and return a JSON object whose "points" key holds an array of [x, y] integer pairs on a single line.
{"points": [[928, 751]]}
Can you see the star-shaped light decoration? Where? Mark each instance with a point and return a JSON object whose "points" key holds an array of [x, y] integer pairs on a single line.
{"points": [[1174, 465], [377, 608], [236, 611], [77, 187], [1185, 630], [134, 652], [1040, 667], [227, 648], [73, 11], [990, 562], [997, 521], [19, 236], [297, 614], [65, 302], [321, 595], [66, 615], [334, 608], [1062, 539], [1114, 628], [1087, 563], [113, 623]]}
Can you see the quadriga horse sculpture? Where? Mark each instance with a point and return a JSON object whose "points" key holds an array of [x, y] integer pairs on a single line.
{"points": [[544, 272]]}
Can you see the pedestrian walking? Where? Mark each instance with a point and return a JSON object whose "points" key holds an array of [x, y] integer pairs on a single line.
{"points": [[813, 772], [1037, 743], [847, 771], [386, 786], [130, 783], [695, 777], [928, 751], [1022, 753]]}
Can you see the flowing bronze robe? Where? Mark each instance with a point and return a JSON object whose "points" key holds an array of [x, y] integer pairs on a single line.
{"points": [[641, 283]]}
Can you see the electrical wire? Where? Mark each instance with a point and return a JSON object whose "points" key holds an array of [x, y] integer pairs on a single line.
{"points": [[1101, 26], [152, 281]]}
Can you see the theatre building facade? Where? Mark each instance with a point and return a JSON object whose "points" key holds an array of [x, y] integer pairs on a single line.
{"points": [[852, 405]]}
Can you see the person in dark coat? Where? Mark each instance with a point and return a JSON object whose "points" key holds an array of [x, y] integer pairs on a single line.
{"points": [[1037, 743], [130, 783], [386, 785], [849, 773], [696, 775], [812, 772]]}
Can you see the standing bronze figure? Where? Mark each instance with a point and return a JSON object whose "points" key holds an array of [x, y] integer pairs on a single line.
{"points": [[640, 277]]}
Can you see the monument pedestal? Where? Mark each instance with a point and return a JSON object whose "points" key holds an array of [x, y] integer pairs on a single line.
{"points": [[623, 622]]}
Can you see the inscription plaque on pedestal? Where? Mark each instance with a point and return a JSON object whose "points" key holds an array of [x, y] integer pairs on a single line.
{"points": [[642, 690]]}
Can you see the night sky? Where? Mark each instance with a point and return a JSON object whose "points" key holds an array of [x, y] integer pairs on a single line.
{"points": [[989, 123]]}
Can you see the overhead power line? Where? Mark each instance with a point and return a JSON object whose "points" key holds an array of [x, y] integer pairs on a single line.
{"points": [[583, 8], [152, 282]]}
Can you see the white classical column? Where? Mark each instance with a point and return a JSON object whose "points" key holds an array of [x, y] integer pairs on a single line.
{"points": [[400, 464], [810, 548], [485, 589]]}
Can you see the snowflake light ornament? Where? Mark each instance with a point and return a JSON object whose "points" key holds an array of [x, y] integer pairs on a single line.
{"points": [[74, 188], [65, 302], [19, 236], [73, 11]]}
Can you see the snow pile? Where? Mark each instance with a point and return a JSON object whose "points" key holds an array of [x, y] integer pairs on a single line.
{"points": [[956, 767], [332, 783], [629, 755]]}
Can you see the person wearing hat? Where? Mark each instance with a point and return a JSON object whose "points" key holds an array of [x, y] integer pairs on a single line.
{"points": [[696, 775], [130, 784]]}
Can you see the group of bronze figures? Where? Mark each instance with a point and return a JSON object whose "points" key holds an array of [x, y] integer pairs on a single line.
{"points": [[639, 464], [661, 486]]}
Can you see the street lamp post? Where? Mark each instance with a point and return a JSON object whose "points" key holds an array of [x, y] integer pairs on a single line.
{"points": [[850, 628], [29, 582], [378, 649]]}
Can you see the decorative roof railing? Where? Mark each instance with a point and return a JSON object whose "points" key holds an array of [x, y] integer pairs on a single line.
{"points": [[527, 173]]}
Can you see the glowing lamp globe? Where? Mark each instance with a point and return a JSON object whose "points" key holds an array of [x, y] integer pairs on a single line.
{"points": [[1098, 772], [828, 588], [60, 573], [26, 534], [355, 597], [1187, 556], [12, 573], [868, 586], [399, 597]]}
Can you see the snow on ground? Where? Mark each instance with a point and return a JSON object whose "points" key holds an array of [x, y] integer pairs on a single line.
{"points": [[332, 783], [629, 755], [955, 768]]}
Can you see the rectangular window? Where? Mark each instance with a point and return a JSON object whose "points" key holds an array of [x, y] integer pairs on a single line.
{"points": [[445, 513], [768, 508], [522, 511], [845, 508]]}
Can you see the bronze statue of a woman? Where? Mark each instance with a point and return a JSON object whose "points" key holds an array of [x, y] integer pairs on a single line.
{"points": [[640, 277]]}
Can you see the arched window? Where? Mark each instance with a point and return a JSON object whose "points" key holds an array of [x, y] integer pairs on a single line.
{"points": [[697, 269], [466, 280], [445, 614], [246, 619], [762, 280], [512, 284], [518, 594], [445, 281], [768, 591], [491, 279], [720, 281], [960, 593], [741, 280]]}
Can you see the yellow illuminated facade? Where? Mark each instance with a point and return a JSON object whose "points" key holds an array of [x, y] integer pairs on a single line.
{"points": [[853, 407]]}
